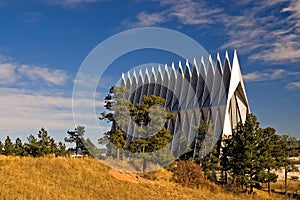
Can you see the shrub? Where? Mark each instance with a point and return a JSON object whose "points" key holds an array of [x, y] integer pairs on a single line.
{"points": [[187, 173]]}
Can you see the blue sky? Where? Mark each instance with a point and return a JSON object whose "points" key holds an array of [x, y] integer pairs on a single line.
{"points": [[43, 43]]}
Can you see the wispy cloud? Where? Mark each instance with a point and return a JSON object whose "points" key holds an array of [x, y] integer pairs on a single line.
{"points": [[266, 75], [146, 19], [293, 85], [71, 3], [36, 109], [268, 31], [11, 72], [289, 78], [188, 12], [50, 76], [265, 31], [7, 73]]}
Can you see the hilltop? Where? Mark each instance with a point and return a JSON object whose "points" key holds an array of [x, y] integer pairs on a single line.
{"points": [[67, 178]]}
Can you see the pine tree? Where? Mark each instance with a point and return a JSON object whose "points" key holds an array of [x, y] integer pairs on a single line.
{"points": [[61, 149], [76, 136], [150, 118], [1, 148], [287, 149], [242, 153], [268, 148], [151, 133], [19, 149], [8, 147], [46, 143], [32, 147]]}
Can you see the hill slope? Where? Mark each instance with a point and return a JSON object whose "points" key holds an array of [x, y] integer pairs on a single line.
{"points": [[66, 178]]}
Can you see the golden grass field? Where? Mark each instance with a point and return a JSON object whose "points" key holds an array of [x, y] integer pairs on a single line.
{"points": [[87, 178]]}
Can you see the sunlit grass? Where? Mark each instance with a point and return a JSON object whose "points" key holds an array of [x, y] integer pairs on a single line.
{"points": [[67, 178]]}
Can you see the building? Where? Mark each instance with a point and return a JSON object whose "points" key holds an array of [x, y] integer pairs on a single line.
{"points": [[197, 92]]}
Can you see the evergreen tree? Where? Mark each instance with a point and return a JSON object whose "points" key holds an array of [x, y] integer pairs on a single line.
{"points": [[19, 149], [151, 133], [287, 148], [242, 153], [8, 147], [150, 118], [76, 136], [1, 148], [32, 146], [46, 143], [267, 159], [119, 109], [61, 149]]}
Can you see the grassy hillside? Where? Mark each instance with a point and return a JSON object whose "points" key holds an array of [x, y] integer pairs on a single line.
{"points": [[67, 178]]}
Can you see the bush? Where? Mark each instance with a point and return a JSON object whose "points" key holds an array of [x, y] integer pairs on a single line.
{"points": [[187, 173]]}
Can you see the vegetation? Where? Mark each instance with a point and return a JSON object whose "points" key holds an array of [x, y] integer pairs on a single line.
{"points": [[150, 135], [44, 145], [65, 178], [246, 159], [251, 153]]}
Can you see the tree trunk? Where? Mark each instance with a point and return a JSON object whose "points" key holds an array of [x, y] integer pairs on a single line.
{"points": [[118, 155], [285, 179], [195, 148], [76, 148], [144, 165], [269, 186], [251, 188]]}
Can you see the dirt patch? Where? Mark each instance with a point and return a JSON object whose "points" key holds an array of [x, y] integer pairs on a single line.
{"points": [[131, 178]]}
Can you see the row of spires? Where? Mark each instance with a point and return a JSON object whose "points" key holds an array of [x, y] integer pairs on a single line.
{"points": [[186, 73]]}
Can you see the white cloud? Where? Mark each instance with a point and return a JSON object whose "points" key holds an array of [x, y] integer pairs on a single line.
{"points": [[190, 12], [269, 75], [25, 110], [262, 30], [12, 73], [263, 76], [187, 12], [268, 30], [293, 85], [7, 73], [145, 19], [50, 76]]}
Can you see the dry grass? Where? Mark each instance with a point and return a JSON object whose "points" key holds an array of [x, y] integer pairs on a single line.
{"points": [[67, 178]]}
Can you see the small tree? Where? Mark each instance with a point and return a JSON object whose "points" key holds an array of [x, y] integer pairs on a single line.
{"points": [[19, 149], [8, 147], [61, 149], [32, 146], [46, 144], [1, 148], [287, 148], [119, 111], [76, 136]]}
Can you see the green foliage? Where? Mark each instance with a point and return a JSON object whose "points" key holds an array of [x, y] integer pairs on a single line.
{"points": [[19, 150], [41, 146], [76, 136], [8, 147], [46, 144], [61, 149], [32, 146], [251, 154], [1, 147], [151, 118]]}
